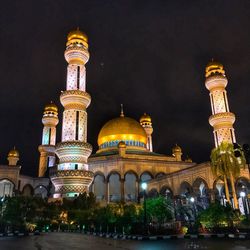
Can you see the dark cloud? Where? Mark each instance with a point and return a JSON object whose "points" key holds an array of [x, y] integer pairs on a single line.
{"points": [[148, 55]]}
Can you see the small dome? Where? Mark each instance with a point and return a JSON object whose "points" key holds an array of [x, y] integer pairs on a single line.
{"points": [[213, 68], [176, 149], [123, 129], [13, 153], [51, 107], [145, 118], [188, 159], [77, 35], [121, 144]]}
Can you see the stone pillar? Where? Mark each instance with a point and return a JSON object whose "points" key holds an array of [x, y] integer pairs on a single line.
{"points": [[122, 182], [138, 190], [211, 194], [107, 191], [93, 187]]}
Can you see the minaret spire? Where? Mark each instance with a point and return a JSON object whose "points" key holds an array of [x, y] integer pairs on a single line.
{"points": [[71, 176], [146, 123], [222, 119], [47, 149]]}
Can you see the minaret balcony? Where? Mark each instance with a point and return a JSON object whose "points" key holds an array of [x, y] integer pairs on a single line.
{"points": [[73, 151], [75, 99], [76, 54], [225, 119], [71, 181], [216, 82], [50, 120]]}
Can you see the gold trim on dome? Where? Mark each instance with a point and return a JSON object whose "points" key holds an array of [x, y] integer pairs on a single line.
{"points": [[13, 153], [51, 107], [122, 128], [145, 118], [77, 37], [176, 148], [214, 68], [77, 34]]}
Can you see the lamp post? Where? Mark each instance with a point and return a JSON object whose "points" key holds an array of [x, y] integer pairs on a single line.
{"points": [[192, 200], [144, 186]]}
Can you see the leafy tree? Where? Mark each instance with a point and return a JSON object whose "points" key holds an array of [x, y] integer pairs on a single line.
{"points": [[217, 215], [225, 163], [159, 208]]}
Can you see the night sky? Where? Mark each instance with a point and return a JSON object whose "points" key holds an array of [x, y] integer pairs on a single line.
{"points": [[148, 55]]}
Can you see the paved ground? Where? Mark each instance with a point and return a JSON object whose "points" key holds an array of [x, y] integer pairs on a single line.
{"points": [[67, 241]]}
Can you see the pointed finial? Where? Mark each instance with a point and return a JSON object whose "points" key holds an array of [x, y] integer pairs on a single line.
{"points": [[122, 114], [14, 147], [212, 59]]}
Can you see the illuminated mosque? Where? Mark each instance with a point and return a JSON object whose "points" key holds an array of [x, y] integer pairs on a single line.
{"points": [[125, 157]]}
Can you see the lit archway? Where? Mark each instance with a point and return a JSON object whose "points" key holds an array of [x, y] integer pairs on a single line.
{"points": [[166, 192], [41, 191], [98, 187], [6, 187], [114, 182], [185, 189], [131, 186], [27, 190]]}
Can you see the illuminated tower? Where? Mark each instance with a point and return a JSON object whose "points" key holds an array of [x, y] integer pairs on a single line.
{"points": [[47, 149], [222, 119], [146, 123], [71, 176], [13, 157]]}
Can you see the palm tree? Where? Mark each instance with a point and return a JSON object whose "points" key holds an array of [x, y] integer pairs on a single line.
{"points": [[225, 163]]}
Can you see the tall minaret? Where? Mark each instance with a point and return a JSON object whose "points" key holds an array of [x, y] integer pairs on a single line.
{"points": [[222, 119], [47, 149], [71, 176], [146, 123]]}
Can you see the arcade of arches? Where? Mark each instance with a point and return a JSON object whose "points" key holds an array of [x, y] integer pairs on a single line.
{"points": [[198, 182]]}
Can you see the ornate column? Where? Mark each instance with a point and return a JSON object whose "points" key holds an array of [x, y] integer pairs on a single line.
{"points": [[107, 190], [222, 119], [47, 149], [146, 123], [72, 176], [122, 182], [211, 194]]}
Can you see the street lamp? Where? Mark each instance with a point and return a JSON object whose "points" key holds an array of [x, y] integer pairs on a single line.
{"points": [[192, 200], [144, 186]]}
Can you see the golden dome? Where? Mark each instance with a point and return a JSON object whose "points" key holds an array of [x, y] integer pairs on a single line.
{"points": [[176, 149], [145, 118], [214, 67], [77, 36], [13, 153], [123, 129], [51, 107]]}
